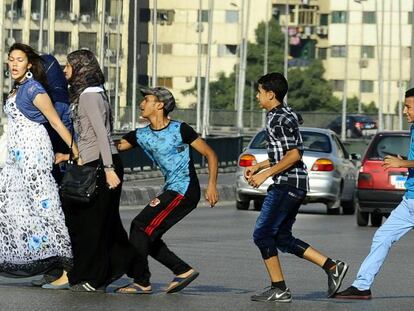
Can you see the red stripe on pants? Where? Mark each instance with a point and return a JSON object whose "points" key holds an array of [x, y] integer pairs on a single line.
{"points": [[161, 216]]}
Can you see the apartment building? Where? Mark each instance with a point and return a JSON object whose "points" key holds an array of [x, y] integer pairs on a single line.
{"points": [[177, 40], [69, 25], [371, 33]]}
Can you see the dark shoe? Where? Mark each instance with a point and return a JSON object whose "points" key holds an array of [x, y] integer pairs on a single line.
{"points": [[181, 282], [354, 293], [46, 278], [335, 277], [273, 295], [83, 287], [56, 287]]}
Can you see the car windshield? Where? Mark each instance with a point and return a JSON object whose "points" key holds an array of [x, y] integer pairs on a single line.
{"points": [[312, 141], [363, 119], [389, 145], [318, 142]]}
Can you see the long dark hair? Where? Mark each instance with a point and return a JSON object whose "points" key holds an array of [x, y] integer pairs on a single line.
{"points": [[86, 72], [34, 58]]}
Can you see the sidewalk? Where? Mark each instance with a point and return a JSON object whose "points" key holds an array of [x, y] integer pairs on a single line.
{"points": [[136, 194]]}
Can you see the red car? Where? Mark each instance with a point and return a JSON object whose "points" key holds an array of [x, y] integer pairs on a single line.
{"points": [[380, 190]]}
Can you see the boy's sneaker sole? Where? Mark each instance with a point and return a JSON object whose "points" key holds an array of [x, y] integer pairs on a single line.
{"points": [[354, 297]]}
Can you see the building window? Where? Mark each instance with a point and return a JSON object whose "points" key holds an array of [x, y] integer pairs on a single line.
{"points": [[204, 16], [322, 53], [367, 51], [337, 85], [34, 38], [323, 19], [165, 82], [366, 86], [164, 48], [165, 17], [226, 50], [87, 40], [62, 42], [62, 9], [88, 8], [10, 40], [204, 49], [144, 15], [17, 9], [406, 52], [339, 17], [232, 16], [35, 8], [410, 18], [338, 51], [307, 15], [369, 18]]}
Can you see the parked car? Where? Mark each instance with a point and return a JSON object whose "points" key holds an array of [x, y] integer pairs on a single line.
{"points": [[379, 190], [332, 171], [357, 125]]}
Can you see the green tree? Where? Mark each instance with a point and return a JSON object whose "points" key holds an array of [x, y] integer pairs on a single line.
{"points": [[308, 90]]}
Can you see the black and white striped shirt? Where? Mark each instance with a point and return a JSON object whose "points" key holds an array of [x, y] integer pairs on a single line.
{"points": [[282, 128]]}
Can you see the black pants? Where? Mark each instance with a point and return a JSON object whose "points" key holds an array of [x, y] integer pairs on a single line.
{"points": [[148, 227], [101, 249]]}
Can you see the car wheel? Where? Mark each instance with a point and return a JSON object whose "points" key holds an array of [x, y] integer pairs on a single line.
{"points": [[242, 205], [362, 218], [333, 211], [376, 219], [348, 207], [258, 204]]}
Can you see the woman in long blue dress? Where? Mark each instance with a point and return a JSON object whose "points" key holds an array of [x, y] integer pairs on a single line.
{"points": [[33, 235]]}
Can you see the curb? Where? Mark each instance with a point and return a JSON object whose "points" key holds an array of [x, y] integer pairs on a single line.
{"points": [[138, 175], [143, 195]]}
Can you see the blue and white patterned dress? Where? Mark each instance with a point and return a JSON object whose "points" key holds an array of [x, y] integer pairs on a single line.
{"points": [[33, 235]]}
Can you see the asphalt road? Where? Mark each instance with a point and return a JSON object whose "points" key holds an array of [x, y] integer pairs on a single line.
{"points": [[217, 242]]}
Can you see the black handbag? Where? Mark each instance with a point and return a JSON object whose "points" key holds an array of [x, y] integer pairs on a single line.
{"points": [[80, 182]]}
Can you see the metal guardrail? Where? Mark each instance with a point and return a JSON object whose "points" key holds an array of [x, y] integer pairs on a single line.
{"points": [[227, 149]]}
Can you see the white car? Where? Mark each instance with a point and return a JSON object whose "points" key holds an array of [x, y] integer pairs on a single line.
{"points": [[332, 171]]}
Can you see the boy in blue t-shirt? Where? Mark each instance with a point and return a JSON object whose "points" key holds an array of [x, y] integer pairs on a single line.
{"points": [[395, 227], [167, 142]]}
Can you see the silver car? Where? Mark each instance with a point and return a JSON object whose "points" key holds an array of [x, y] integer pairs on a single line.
{"points": [[332, 171]]}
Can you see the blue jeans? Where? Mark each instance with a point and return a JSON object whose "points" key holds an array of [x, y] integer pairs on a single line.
{"points": [[273, 228], [396, 226]]}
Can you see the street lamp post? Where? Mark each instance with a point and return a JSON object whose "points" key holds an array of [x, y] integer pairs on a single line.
{"points": [[42, 16], [102, 53], [345, 90], [206, 104], [199, 30], [134, 71], [154, 44], [118, 48]]}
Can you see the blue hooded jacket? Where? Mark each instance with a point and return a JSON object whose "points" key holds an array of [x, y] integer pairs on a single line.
{"points": [[57, 88]]}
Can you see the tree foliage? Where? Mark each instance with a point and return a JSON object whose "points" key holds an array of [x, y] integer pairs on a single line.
{"points": [[308, 90]]}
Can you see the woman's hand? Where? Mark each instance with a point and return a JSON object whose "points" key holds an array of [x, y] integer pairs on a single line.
{"points": [[112, 179], [61, 157]]}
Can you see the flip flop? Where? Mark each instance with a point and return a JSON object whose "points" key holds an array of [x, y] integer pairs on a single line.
{"points": [[133, 289], [182, 282]]}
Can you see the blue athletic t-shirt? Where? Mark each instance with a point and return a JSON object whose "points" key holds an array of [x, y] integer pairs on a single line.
{"points": [[409, 184], [169, 148]]}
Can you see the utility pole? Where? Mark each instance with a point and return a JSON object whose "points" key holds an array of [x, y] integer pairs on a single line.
{"points": [[118, 48], [199, 30], [206, 104], [412, 50], [154, 44], [266, 51], [242, 76], [345, 90], [388, 119], [42, 17], [286, 53], [400, 84], [102, 53], [134, 70]]}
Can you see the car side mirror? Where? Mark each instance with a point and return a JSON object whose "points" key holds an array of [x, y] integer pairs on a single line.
{"points": [[355, 156]]}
